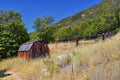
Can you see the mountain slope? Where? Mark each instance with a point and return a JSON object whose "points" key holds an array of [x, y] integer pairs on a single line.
{"points": [[90, 23], [92, 12]]}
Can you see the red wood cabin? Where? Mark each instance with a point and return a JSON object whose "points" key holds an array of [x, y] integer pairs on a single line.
{"points": [[34, 49]]}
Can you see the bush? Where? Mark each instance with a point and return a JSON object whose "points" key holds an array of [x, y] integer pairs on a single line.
{"points": [[63, 33], [46, 34], [116, 31], [54, 69]]}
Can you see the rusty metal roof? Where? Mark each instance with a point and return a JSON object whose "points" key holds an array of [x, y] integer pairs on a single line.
{"points": [[27, 46]]}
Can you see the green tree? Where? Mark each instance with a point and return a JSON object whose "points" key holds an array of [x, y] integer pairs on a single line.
{"points": [[34, 35], [12, 33], [46, 34], [42, 22], [44, 29], [80, 28], [63, 33]]}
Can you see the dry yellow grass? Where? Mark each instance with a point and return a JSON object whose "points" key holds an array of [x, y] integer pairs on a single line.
{"points": [[92, 61], [102, 59]]}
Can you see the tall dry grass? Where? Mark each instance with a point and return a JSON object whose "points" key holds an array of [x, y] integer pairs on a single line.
{"points": [[100, 60], [92, 61]]}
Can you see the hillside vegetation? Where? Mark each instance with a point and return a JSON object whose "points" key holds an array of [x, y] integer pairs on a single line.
{"points": [[92, 61], [92, 12], [89, 23]]}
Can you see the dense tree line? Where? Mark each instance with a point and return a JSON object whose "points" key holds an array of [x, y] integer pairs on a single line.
{"points": [[91, 28], [12, 33]]}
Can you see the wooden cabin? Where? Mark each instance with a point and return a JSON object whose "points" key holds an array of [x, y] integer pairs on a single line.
{"points": [[34, 49]]}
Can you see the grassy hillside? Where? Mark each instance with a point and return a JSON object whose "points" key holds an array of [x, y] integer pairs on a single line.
{"points": [[93, 61]]}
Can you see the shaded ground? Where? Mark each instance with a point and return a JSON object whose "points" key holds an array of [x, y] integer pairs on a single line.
{"points": [[4, 74], [9, 75]]}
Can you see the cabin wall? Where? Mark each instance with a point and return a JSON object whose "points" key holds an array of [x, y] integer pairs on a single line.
{"points": [[25, 55], [38, 50]]}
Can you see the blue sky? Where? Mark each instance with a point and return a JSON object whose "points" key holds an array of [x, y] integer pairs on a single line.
{"points": [[32, 9]]}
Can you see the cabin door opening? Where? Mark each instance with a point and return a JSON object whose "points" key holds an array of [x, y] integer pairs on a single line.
{"points": [[42, 53]]}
